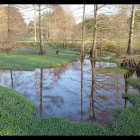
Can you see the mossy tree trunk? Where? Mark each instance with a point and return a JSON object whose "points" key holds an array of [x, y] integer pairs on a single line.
{"points": [[130, 39]]}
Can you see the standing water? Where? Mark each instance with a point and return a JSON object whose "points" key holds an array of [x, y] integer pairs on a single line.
{"points": [[65, 92]]}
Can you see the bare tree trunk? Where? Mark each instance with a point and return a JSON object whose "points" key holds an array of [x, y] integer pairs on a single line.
{"points": [[9, 39], [55, 30], [48, 35], [48, 26], [82, 55], [93, 51], [34, 26], [130, 41], [8, 34], [64, 32], [35, 30], [42, 51], [83, 34]]}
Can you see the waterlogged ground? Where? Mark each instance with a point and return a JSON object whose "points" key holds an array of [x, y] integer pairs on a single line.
{"points": [[57, 92]]}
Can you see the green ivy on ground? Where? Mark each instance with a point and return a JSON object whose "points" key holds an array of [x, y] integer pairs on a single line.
{"points": [[18, 117]]}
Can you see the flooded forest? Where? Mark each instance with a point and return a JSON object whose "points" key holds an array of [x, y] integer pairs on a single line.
{"points": [[69, 69]]}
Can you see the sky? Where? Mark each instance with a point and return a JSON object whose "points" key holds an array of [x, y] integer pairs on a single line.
{"points": [[76, 9]]}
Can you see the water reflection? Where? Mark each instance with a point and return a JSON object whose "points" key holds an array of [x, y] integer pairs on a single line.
{"points": [[93, 88], [126, 91], [82, 86], [12, 83], [41, 89], [56, 92], [127, 75]]}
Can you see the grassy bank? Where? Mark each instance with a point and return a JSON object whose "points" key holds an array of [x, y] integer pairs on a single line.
{"points": [[18, 117], [109, 57], [29, 59], [114, 58], [134, 82], [113, 70], [128, 120]]}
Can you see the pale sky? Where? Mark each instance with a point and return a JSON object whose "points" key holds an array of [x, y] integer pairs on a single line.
{"points": [[76, 9]]}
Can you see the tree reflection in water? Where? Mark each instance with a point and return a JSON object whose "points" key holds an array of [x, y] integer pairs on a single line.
{"points": [[93, 91], [54, 100], [82, 86], [12, 82], [77, 92], [127, 75], [41, 89]]}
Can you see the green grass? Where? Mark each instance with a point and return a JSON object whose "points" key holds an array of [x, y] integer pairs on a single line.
{"points": [[127, 121], [134, 82], [113, 70], [29, 59], [114, 58]]}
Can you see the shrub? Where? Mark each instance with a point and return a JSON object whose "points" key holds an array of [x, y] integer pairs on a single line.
{"points": [[111, 45]]}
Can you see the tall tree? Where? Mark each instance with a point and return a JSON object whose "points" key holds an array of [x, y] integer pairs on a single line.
{"points": [[42, 50], [12, 21], [93, 51], [83, 34], [8, 34], [11, 26], [130, 40], [35, 37]]}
